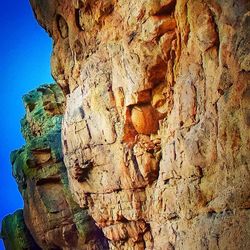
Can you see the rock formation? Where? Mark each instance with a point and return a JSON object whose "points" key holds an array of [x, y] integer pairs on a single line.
{"points": [[52, 217], [155, 131], [15, 233]]}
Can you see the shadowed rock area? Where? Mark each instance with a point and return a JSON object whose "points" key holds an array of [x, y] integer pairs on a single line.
{"points": [[15, 233], [155, 131]]}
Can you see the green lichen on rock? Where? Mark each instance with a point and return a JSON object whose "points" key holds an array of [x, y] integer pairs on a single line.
{"points": [[15, 234], [44, 108], [41, 128]]}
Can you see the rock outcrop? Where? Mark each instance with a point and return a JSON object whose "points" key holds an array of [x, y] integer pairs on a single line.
{"points": [[155, 131], [52, 217], [15, 233]]}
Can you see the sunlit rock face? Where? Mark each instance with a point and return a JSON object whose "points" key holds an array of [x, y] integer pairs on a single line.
{"points": [[52, 217], [155, 131]]}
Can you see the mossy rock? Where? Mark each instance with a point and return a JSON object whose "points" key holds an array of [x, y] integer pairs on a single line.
{"points": [[15, 234]]}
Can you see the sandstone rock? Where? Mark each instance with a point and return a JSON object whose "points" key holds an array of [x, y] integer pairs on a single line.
{"points": [[157, 102], [144, 119], [155, 132], [52, 217]]}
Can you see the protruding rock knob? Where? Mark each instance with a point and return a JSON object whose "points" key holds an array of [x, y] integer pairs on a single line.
{"points": [[145, 119]]}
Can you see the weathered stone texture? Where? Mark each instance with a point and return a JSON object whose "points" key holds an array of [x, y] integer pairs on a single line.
{"points": [[52, 217], [15, 233], [155, 131]]}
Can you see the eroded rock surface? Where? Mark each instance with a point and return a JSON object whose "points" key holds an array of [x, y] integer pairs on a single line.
{"points": [[155, 131], [15, 233], [156, 127], [52, 217]]}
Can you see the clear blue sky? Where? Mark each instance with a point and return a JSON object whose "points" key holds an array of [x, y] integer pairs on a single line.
{"points": [[24, 65]]}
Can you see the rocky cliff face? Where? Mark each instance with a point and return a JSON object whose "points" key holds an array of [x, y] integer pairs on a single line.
{"points": [[155, 131]]}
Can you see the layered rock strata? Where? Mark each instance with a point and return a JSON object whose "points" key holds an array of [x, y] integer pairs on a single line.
{"points": [[52, 217], [155, 131]]}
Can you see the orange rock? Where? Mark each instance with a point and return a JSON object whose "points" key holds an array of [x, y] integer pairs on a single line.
{"points": [[144, 119]]}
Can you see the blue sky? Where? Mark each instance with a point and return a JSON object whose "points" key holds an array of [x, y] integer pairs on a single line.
{"points": [[24, 65]]}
